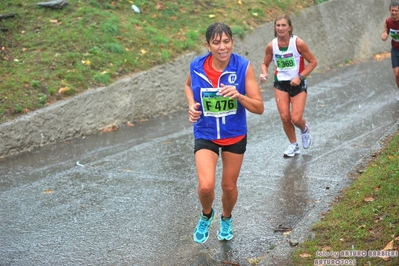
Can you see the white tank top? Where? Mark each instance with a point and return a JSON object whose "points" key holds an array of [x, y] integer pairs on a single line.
{"points": [[287, 62]]}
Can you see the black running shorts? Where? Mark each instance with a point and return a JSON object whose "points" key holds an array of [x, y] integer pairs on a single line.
{"points": [[292, 90], [237, 148]]}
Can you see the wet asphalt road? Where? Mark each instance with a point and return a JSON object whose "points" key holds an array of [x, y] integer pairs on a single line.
{"points": [[132, 200]]}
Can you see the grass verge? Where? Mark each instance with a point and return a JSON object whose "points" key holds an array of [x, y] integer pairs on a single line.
{"points": [[363, 220]]}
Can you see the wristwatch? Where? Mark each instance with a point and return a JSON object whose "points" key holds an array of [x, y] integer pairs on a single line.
{"points": [[301, 77]]}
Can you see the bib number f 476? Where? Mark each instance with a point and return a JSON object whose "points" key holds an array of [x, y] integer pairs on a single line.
{"points": [[216, 105]]}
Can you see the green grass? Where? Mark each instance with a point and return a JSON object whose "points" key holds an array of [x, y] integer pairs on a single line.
{"points": [[47, 55], [366, 217]]}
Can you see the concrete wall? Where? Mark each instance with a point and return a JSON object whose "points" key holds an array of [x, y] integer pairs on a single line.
{"points": [[336, 31]]}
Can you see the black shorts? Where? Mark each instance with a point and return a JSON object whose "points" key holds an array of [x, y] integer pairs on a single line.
{"points": [[292, 90], [237, 148], [394, 57]]}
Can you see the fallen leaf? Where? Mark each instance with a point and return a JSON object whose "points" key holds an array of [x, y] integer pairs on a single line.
{"points": [[389, 246], [160, 6], [239, 2], [252, 261], [212, 16], [305, 255], [368, 199], [64, 89], [286, 233], [87, 62], [55, 21], [129, 124], [382, 56], [48, 191], [327, 248], [143, 51], [110, 128]]}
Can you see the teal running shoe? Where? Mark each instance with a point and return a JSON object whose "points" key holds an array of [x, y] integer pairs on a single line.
{"points": [[226, 229], [201, 233]]}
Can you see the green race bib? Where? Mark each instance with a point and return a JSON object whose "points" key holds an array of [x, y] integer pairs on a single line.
{"points": [[215, 104], [286, 61]]}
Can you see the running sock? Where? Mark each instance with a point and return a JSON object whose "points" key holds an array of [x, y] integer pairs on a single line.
{"points": [[306, 130], [207, 215]]}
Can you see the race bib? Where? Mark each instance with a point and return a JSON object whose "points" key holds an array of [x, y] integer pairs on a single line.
{"points": [[394, 34], [216, 105], [285, 61]]}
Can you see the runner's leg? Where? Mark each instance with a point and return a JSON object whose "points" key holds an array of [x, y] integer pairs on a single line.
{"points": [[283, 107], [206, 161], [231, 169]]}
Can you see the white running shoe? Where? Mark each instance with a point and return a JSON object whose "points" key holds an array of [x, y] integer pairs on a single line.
{"points": [[292, 150], [306, 139]]}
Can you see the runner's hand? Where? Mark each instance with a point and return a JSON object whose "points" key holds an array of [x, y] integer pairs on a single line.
{"points": [[193, 113], [262, 78], [230, 91], [384, 36]]}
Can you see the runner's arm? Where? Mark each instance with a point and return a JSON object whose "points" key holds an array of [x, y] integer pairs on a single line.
{"points": [[193, 106], [252, 101], [385, 35], [266, 62], [304, 50]]}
